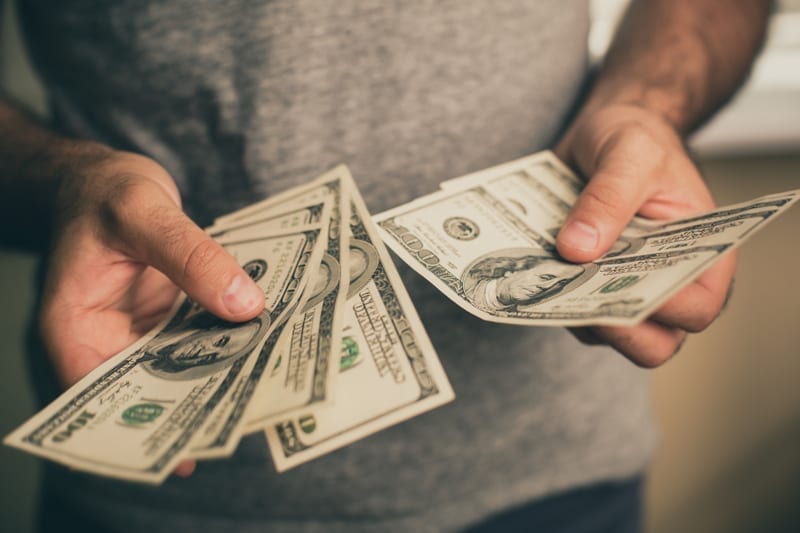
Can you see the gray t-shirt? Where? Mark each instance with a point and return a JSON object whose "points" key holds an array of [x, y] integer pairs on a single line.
{"points": [[240, 99]]}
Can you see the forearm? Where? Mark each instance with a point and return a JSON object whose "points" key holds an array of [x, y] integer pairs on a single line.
{"points": [[33, 162], [682, 59]]}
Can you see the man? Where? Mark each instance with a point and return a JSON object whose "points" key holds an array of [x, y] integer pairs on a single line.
{"points": [[233, 101]]}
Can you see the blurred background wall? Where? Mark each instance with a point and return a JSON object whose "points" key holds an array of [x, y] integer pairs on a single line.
{"points": [[729, 405]]}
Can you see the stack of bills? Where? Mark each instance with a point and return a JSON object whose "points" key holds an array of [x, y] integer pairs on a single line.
{"points": [[337, 354]]}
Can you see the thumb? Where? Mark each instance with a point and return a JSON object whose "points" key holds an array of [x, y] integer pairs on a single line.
{"points": [[161, 235], [606, 205]]}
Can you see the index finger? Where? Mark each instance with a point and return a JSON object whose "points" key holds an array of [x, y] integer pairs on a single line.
{"points": [[606, 205]]}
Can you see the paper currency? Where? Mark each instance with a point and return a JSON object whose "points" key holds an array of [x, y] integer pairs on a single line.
{"points": [[388, 366], [134, 416], [195, 384], [339, 351], [302, 371], [220, 433], [487, 242], [284, 378]]}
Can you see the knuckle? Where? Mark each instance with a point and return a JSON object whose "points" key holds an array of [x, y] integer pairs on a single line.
{"points": [[654, 353], [640, 140], [129, 197], [168, 224], [638, 153], [126, 200], [703, 318], [164, 228], [668, 351], [604, 199], [655, 356], [202, 260]]}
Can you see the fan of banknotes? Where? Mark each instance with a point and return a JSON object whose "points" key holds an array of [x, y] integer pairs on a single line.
{"points": [[487, 241], [339, 352]]}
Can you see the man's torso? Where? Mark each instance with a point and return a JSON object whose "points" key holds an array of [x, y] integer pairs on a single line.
{"points": [[239, 100]]}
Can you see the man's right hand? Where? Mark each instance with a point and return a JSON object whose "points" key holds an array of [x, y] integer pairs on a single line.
{"points": [[122, 248]]}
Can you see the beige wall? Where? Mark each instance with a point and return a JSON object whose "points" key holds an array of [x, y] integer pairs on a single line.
{"points": [[729, 404]]}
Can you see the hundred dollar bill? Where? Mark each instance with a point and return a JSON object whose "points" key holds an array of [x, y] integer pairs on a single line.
{"points": [[480, 244], [729, 225], [544, 165], [223, 428], [769, 206], [300, 373], [538, 189], [272, 222], [307, 194], [306, 377], [134, 416], [388, 369]]}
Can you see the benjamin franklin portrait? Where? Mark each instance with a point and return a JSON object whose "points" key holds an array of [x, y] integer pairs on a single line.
{"points": [[510, 279], [201, 345]]}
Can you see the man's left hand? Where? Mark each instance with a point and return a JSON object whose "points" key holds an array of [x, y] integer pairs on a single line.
{"points": [[637, 164]]}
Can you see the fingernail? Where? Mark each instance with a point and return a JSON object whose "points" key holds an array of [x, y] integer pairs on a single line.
{"points": [[579, 235], [242, 295]]}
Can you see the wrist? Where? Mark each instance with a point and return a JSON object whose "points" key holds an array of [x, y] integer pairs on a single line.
{"points": [[681, 59], [678, 95]]}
